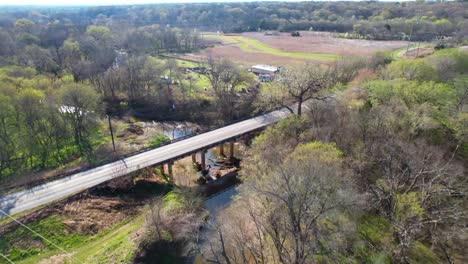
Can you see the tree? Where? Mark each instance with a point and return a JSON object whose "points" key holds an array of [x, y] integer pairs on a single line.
{"points": [[443, 27], [151, 74], [416, 190], [8, 142], [39, 58], [7, 44], [24, 25], [79, 103], [460, 86], [226, 78], [69, 54], [110, 83], [31, 105], [101, 34], [298, 85], [282, 211]]}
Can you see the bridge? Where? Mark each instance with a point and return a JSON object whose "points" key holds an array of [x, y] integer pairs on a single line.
{"points": [[67, 186]]}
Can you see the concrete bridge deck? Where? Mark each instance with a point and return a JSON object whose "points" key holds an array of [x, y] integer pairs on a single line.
{"points": [[64, 187]]}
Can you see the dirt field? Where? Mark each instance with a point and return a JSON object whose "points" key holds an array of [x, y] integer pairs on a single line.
{"points": [[324, 42], [283, 49]]}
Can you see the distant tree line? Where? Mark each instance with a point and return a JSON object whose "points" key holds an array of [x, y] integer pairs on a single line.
{"points": [[372, 19]]}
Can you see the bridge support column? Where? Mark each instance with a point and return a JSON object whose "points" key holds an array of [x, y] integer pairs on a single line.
{"points": [[169, 170], [162, 169], [203, 160], [231, 149], [194, 158], [221, 150]]}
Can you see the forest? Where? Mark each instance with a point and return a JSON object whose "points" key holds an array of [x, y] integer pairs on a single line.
{"points": [[364, 19]]}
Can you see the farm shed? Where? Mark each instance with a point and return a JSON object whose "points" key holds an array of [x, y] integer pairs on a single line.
{"points": [[265, 69]]}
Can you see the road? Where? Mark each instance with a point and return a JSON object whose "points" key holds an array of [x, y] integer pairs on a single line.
{"points": [[59, 189]]}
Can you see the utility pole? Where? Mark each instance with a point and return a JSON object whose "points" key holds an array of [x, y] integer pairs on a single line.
{"points": [[111, 132]]}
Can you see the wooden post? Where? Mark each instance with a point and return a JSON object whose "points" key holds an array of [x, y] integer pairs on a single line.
{"points": [[203, 161]]}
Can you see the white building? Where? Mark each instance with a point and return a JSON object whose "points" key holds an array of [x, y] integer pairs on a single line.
{"points": [[265, 69]]}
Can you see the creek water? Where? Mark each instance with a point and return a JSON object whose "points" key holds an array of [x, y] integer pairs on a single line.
{"points": [[216, 203], [212, 155]]}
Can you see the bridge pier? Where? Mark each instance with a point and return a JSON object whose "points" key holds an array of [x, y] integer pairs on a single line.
{"points": [[169, 170], [203, 160], [194, 158], [221, 150], [231, 149], [162, 169]]}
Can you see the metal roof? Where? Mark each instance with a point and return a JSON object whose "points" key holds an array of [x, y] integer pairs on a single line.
{"points": [[265, 67]]}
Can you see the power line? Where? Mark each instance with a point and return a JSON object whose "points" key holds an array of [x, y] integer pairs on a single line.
{"points": [[39, 235], [5, 257]]}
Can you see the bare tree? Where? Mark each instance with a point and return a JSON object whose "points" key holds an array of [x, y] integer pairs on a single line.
{"points": [[297, 85], [279, 218]]}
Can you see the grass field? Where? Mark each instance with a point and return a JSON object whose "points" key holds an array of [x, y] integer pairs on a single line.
{"points": [[282, 49], [254, 46]]}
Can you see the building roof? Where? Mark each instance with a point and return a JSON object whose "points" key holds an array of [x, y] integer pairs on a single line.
{"points": [[265, 67]]}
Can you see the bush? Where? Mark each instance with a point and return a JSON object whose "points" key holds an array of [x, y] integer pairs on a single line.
{"points": [[410, 70], [159, 139], [295, 34]]}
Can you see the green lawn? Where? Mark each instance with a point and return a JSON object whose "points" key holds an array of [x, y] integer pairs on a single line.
{"points": [[255, 46]]}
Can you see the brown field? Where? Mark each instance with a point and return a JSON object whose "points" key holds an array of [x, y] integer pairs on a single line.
{"points": [[325, 42], [309, 42]]}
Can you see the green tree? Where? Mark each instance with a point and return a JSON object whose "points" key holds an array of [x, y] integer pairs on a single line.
{"points": [[100, 33], [79, 105], [8, 123]]}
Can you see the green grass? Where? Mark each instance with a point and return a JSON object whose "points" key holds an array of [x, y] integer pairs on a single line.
{"points": [[50, 227], [255, 46], [114, 246], [111, 246]]}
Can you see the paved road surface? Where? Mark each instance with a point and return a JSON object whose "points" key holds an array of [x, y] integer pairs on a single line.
{"points": [[62, 188]]}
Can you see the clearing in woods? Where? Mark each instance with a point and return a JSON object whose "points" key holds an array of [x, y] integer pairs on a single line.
{"points": [[254, 46], [283, 49]]}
